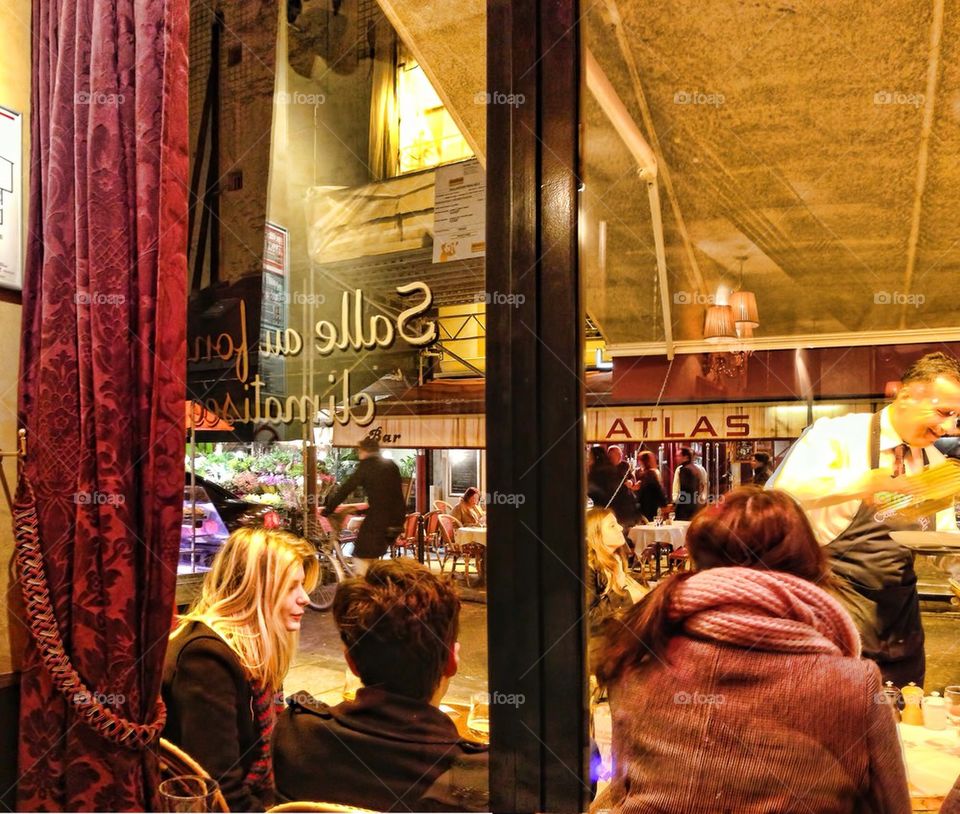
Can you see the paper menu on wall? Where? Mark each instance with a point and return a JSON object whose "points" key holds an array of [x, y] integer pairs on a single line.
{"points": [[11, 199]]}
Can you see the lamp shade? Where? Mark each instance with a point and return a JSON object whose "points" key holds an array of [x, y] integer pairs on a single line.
{"points": [[744, 305], [719, 325]]}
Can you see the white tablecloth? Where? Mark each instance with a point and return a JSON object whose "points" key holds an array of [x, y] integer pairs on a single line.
{"points": [[932, 758], [647, 534], [471, 534]]}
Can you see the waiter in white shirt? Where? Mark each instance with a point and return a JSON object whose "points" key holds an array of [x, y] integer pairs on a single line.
{"points": [[835, 470]]}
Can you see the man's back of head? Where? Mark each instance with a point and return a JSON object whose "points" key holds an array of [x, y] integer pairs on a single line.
{"points": [[391, 748], [399, 624]]}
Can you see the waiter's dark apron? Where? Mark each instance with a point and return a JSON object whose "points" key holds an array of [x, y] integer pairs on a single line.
{"points": [[877, 584]]}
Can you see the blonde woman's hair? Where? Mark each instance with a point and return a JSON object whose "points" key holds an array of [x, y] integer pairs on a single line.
{"points": [[601, 559], [242, 595]]}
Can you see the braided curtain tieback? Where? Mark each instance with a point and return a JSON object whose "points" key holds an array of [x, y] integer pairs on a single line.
{"points": [[46, 635]]}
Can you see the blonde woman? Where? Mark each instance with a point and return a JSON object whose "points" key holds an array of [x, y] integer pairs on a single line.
{"points": [[610, 589], [228, 657]]}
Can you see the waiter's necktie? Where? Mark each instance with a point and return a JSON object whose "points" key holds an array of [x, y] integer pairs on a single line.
{"points": [[899, 464]]}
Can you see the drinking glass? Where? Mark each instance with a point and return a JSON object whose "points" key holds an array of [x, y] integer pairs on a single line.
{"points": [[478, 719], [952, 697], [188, 792], [351, 683]]}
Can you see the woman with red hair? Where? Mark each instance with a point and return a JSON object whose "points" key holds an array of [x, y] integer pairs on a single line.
{"points": [[739, 686]]}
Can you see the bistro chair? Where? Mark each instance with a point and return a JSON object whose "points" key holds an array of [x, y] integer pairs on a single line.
{"points": [[307, 805], [174, 762], [679, 559], [443, 506], [432, 543], [465, 552], [406, 543]]}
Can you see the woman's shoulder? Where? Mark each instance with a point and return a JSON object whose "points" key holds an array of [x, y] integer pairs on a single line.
{"points": [[200, 640]]}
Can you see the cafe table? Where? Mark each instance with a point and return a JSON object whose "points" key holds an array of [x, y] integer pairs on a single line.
{"points": [[473, 535], [665, 538], [932, 757]]}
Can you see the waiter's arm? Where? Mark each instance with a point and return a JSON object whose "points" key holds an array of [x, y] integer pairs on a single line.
{"points": [[818, 473]]}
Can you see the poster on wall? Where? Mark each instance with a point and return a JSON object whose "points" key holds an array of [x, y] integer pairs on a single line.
{"points": [[459, 230], [11, 199], [275, 245]]}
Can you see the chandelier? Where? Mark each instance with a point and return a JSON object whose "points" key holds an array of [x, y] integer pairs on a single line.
{"points": [[729, 320]]}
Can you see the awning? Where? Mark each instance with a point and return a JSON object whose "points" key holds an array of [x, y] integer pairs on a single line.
{"points": [[704, 422]]}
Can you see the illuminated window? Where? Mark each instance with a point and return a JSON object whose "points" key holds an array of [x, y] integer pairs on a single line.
{"points": [[427, 133]]}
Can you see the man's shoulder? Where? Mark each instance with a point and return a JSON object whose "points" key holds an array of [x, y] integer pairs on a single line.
{"points": [[840, 427], [464, 786]]}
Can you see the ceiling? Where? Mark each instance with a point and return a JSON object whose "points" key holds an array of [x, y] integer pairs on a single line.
{"points": [[818, 141]]}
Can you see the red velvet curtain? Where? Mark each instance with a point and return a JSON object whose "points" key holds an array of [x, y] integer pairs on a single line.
{"points": [[102, 379]]}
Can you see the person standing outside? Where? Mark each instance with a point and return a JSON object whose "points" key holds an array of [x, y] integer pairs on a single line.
{"points": [[650, 495], [379, 478], [689, 485], [760, 464], [837, 468]]}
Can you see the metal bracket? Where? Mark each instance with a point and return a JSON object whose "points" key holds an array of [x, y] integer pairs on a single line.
{"points": [[21, 447]]}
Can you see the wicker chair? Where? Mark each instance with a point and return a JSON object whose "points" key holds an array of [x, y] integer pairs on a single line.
{"points": [[432, 544], [406, 543], [465, 553], [443, 506], [174, 762]]}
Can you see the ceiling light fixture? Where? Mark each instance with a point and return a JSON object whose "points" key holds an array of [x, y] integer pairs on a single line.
{"points": [[719, 325], [744, 304]]}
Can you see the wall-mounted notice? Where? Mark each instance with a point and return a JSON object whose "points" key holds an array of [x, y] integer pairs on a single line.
{"points": [[459, 222], [275, 249], [11, 199]]}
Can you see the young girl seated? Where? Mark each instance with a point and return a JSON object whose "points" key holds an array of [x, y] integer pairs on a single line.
{"points": [[228, 657]]}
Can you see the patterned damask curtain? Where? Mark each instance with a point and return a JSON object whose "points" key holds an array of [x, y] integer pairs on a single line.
{"points": [[102, 394]]}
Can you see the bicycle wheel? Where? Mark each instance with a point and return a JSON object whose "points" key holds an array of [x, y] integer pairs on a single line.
{"points": [[330, 576]]}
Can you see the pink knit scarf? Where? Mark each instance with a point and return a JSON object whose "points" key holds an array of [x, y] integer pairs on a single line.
{"points": [[763, 610]]}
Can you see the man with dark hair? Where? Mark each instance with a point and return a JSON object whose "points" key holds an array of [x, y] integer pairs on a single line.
{"points": [[391, 749], [837, 468], [380, 480], [760, 463], [689, 485]]}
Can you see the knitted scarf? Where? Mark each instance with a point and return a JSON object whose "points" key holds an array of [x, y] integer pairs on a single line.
{"points": [[265, 703], [763, 610]]}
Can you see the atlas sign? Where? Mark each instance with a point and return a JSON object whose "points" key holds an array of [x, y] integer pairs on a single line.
{"points": [[667, 427]]}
